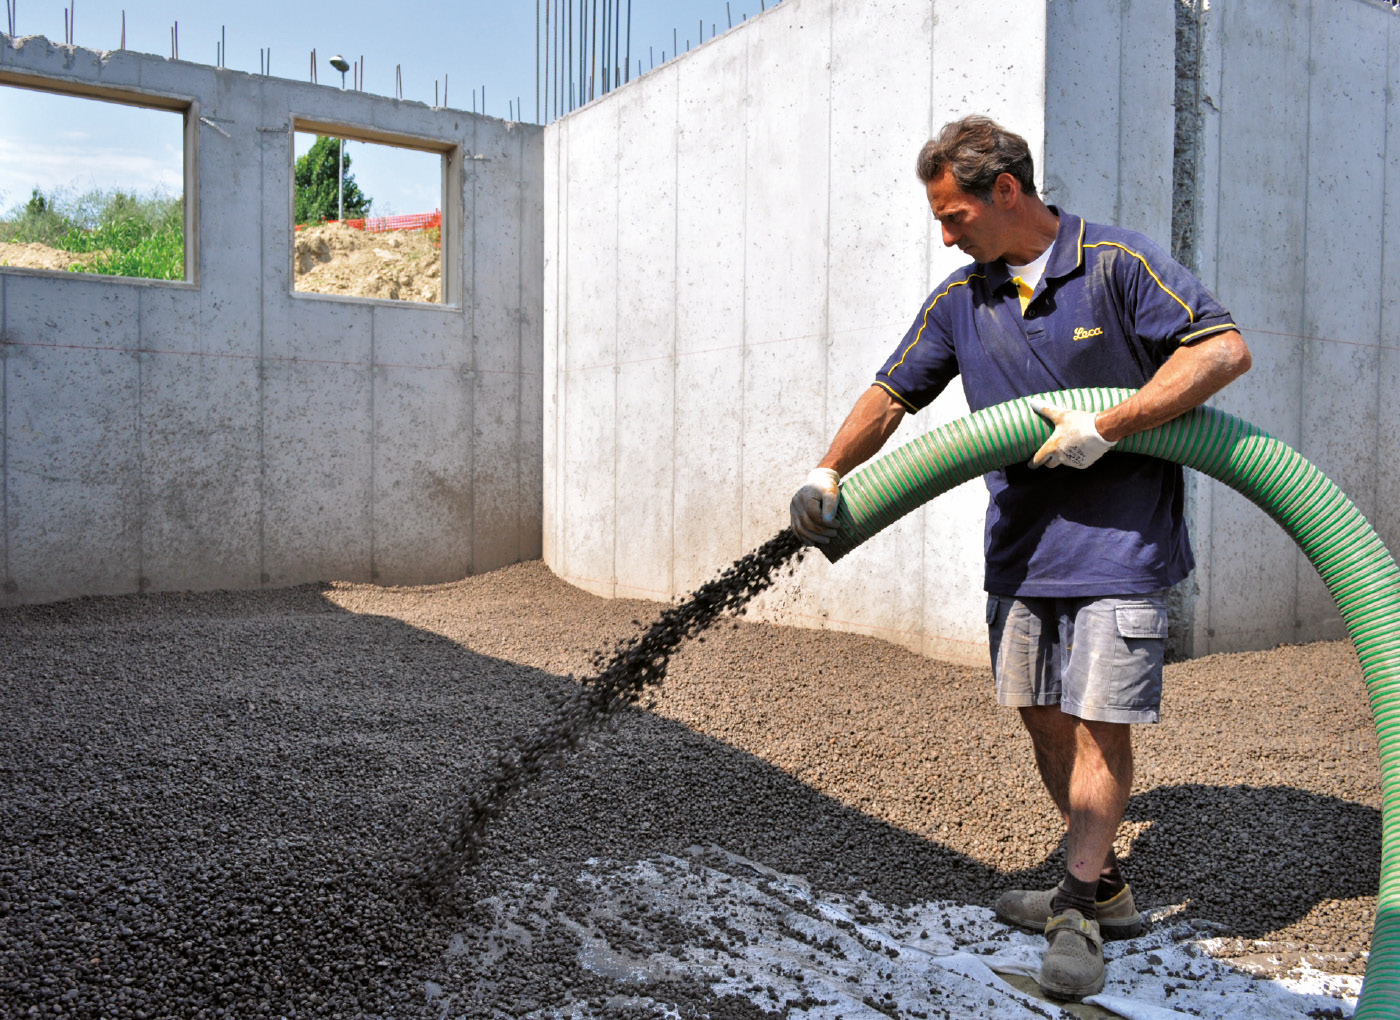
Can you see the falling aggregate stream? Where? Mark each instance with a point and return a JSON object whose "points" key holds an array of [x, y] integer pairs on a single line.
{"points": [[637, 663]]}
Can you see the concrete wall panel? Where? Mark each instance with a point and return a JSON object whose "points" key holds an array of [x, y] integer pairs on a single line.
{"points": [[786, 262], [318, 459], [248, 437], [530, 306], [84, 313], [590, 365], [588, 503], [1000, 73], [1310, 192], [647, 466], [646, 337], [200, 436], [1346, 175], [878, 249], [1247, 566], [646, 252], [232, 183], [709, 441], [496, 471], [1081, 167], [553, 349], [1108, 147], [164, 318], [418, 336], [495, 282], [73, 471], [423, 491], [802, 251], [1386, 515], [711, 144], [530, 459]]}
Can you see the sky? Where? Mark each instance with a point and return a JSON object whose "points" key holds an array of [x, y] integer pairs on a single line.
{"points": [[484, 52]]}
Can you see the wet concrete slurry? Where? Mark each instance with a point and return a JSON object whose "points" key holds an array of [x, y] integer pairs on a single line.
{"points": [[210, 802]]}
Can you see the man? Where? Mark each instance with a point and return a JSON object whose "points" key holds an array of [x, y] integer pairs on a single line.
{"points": [[1077, 561]]}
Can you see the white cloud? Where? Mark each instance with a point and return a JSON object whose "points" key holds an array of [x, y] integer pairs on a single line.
{"points": [[68, 166]]}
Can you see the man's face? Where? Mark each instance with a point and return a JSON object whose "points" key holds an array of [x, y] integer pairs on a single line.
{"points": [[977, 227]]}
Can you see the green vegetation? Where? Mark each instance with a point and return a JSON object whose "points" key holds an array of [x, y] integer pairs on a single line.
{"points": [[116, 232], [317, 177]]}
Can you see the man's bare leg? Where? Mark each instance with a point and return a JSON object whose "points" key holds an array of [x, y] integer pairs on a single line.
{"points": [[1100, 780], [1100, 783], [1053, 737], [1056, 738]]}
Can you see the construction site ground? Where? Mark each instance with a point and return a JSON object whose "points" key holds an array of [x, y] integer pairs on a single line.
{"points": [[217, 801]]}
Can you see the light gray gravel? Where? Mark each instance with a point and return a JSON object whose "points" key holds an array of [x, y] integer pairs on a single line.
{"points": [[209, 803]]}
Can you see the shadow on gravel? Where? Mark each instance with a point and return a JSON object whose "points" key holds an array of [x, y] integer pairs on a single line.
{"points": [[1261, 857], [209, 802]]}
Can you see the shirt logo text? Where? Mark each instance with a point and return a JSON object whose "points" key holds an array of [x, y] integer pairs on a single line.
{"points": [[1080, 333]]}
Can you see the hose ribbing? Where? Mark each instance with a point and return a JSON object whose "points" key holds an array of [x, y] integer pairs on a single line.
{"points": [[1353, 562]]}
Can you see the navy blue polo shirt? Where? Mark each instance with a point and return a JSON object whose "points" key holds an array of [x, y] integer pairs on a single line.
{"points": [[1109, 310]]}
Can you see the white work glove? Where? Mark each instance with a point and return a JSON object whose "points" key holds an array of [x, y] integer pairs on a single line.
{"points": [[814, 507], [1075, 441]]}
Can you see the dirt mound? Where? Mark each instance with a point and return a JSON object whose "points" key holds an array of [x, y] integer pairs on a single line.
{"points": [[401, 265], [31, 255]]}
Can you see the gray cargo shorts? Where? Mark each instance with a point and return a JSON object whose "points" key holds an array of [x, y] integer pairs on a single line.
{"points": [[1097, 658]]}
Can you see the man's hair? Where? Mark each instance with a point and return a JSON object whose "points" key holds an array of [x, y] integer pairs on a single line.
{"points": [[976, 151]]}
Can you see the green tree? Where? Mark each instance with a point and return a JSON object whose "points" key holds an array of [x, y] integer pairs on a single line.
{"points": [[316, 185]]}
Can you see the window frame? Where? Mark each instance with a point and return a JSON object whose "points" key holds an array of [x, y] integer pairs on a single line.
{"points": [[450, 152], [187, 107]]}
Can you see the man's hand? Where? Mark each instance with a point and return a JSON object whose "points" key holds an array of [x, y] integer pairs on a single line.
{"points": [[814, 506], [1075, 441]]}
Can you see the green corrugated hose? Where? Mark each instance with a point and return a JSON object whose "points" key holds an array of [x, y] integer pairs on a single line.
{"points": [[1355, 565]]}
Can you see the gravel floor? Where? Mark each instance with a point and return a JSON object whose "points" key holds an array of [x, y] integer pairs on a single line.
{"points": [[210, 802]]}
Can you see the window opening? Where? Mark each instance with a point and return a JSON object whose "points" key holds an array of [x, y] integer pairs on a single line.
{"points": [[368, 217], [92, 183]]}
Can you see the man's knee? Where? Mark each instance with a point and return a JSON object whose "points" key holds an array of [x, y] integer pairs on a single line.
{"points": [[1046, 722]]}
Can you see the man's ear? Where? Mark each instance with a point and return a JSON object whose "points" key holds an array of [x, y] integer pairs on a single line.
{"points": [[1006, 190]]}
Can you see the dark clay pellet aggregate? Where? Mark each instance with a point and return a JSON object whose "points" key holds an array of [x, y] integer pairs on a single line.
{"points": [[232, 804]]}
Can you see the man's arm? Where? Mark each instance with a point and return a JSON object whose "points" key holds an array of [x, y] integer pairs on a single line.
{"points": [[873, 420], [1188, 379]]}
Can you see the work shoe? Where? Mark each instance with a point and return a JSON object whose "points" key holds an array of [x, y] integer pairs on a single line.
{"points": [[1073, 963], [1030, 908]]}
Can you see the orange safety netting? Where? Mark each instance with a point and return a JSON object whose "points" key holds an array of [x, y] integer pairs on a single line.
{"points": [[378, 224]]}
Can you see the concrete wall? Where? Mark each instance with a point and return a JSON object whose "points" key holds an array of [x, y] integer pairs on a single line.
{"points": [[734, 243], [737, 240], [1297, 173], [226, 432]]}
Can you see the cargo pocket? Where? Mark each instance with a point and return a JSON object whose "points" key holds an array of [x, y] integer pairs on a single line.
{"points": [[1142, 621], [1142, 644]]}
